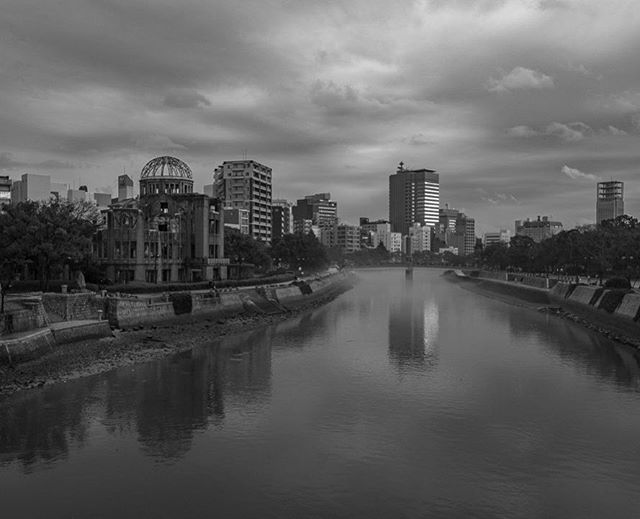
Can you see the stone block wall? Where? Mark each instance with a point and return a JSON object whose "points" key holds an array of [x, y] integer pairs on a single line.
{"points": [[587, 295], [72, 307], [630, 307], [123, 312]]}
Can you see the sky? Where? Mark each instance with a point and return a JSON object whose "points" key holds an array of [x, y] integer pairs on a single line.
{"points": [[521, 106]]}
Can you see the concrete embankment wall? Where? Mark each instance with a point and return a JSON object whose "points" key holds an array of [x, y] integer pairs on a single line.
{"points": [[18, 350], [611, 309], [504, 290], [123, 312]]}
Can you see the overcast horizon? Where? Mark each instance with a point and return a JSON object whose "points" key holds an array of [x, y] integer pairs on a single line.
{"points": [[521, 106]]}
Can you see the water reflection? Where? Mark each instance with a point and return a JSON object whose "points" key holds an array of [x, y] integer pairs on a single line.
{"points": [[40, 427], [413, 331]]}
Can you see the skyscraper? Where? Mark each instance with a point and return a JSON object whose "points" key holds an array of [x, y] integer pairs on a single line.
{"points": [[609, 200], [414, 196], [246, 184]]}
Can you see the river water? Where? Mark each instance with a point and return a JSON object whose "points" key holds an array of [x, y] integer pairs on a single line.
{"points": [[393, 401]]}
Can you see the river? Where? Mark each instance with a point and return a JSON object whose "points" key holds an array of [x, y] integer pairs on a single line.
{"points": [[395, 400]]}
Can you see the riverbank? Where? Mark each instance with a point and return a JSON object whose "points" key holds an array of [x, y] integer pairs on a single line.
{"points": [[577, 303], [151, 341]]}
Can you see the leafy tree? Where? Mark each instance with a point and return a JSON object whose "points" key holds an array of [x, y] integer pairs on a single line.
{"points": [[46, 235], [245, 249], [300, 251]]}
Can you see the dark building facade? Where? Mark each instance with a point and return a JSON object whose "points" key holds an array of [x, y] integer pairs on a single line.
{"points": [[318, 208], [281, 219], [168, 234]]}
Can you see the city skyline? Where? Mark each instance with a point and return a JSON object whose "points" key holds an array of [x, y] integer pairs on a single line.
{"points": [[521, 106]]}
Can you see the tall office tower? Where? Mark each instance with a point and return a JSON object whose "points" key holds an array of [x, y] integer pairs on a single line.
{"points": [[125, 187], [5, 190], [281, 219], [319, 208], [246, 184], [609, 201], [414, 196]]}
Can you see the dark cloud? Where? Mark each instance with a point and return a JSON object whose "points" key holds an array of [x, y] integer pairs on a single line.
{"points": [[494, 94]]}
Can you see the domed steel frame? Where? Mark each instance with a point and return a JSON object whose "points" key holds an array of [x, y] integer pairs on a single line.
{"points": [[166, 167], [165, 176]]}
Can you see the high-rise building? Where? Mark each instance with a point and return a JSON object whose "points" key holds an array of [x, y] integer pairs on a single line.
{"points": [[539, 229], [5, 190], [414, 196], [281, 219], [125, 187], [609, 200], [246, 184], [318, 208], [456, 229], [37, 188]]}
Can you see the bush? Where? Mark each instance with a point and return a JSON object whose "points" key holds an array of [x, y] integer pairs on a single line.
{"points": [[617, 283], [611, 300]]}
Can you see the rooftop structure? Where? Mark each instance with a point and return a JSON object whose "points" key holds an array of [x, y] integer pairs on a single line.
{"points": [[609, 200]]}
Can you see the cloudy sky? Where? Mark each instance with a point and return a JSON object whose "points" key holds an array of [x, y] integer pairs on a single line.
{"points": [[520, 105]]}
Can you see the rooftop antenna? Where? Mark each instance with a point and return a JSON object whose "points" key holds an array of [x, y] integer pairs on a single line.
{"points": [[244, 153]]}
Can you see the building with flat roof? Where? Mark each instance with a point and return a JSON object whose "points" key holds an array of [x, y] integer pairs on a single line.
{"points": [[319, 208], [414, 196], [539, 229], [125, 187], [37, 188], [609, 200], [491, 238], [246, 184]]}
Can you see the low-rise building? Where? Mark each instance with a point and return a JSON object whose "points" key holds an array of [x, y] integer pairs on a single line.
{"points": [[419, 238], [491, 238], [539, 229]]}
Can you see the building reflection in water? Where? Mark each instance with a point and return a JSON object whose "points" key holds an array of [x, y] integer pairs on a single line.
{"points": [[42, 428], [413, 332], [163, 402]]}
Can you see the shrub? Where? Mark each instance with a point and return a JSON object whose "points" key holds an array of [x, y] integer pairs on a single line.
{"points": [[617, 283], [611, 300]]}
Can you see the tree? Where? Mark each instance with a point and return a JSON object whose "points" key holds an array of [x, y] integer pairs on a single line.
{"points": [[47, 235], [245, 249], [300, 251]]}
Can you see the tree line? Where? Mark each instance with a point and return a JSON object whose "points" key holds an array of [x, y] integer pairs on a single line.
{"points": [[609, 249]]}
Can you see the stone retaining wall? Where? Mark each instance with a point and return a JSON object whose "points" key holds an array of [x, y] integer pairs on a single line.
{"points": [[88, 330], [26, 348], [123, 312], [73, 307]]}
